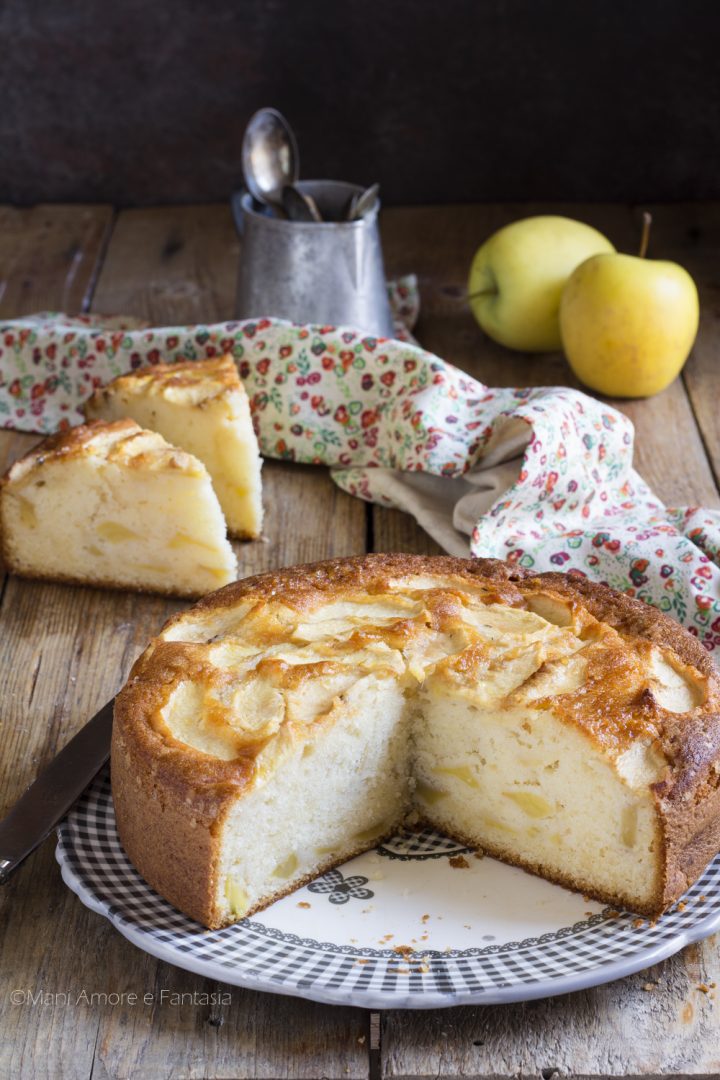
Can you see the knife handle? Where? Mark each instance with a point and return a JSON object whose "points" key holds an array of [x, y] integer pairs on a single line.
{"points": [[50, 796]]}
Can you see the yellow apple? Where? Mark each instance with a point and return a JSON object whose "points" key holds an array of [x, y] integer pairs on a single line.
{"points": [[628, 323], [517, 278]]}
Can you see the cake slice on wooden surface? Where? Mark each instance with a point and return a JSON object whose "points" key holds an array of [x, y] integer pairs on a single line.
{"points": [[202, 407], [114, 506]]}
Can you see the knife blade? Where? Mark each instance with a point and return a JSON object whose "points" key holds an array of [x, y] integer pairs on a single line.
{"points": [[50, 796]]}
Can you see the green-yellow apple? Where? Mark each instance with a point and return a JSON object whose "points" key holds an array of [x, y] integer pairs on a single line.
{"points": [[628, 323], [517, 278]]}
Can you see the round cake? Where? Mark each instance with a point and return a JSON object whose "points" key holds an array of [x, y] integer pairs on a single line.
{"points": [[290, 721]]}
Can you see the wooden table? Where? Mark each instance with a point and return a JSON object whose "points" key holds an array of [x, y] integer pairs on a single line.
{"points": [[64, 652]]}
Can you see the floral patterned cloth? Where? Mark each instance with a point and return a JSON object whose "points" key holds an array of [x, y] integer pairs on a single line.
{"points": [[542, 477]]}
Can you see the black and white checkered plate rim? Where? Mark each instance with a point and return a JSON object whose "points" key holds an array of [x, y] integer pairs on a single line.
{"points": [[250, 954]]}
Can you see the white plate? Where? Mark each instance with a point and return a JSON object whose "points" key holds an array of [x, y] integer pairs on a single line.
{"points": [[398, 927]]}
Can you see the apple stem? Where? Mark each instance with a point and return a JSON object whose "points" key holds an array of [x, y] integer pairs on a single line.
{"points": [[645, 238]]}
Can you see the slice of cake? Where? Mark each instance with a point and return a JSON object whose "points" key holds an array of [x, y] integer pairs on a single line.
{"points": [[301, 716], [202, 407], [114, 506]]}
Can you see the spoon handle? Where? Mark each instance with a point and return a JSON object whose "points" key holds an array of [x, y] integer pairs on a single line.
{"points": [[298, 206], [362, 204]]}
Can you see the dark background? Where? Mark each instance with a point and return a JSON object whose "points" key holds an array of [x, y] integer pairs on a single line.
{"points": [[445, 101]]}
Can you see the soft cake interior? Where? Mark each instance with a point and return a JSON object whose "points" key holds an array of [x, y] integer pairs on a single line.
{"points": [[523, 786], [471, 715], [337, 797]]}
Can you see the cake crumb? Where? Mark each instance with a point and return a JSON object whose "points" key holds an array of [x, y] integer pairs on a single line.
{"points": [[703, 988], [478, 854], [638, 923], [362, 960], [459, 862], [361, 1040], [702, 897], [406, 951], [681, 905], [304, 904], [386, 938], [424, 918], [649, 986], [612, 914]]}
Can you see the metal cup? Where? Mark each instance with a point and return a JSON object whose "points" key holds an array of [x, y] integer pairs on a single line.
{"points": [[328, 272]]}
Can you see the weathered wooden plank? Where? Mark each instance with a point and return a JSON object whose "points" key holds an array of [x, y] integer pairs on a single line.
{"points": [[254, 1035], [13, 444], [393, 530], [171, 265], [307, 518], [690, 235], [669, 1029], [620, 1029], [49, 257]]}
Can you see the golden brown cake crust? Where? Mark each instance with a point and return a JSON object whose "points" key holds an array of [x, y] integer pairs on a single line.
{"points": [[173, 788], [75, 439], [123, 440], [213, 377]]}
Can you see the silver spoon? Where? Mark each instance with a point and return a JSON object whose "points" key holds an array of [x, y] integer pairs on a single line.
{"points": [[361, 203], [270, 157], [298, 206]]}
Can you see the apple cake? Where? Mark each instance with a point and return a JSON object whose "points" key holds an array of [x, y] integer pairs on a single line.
{"points": [[200, 406], [290, 721], [114, 506]]}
